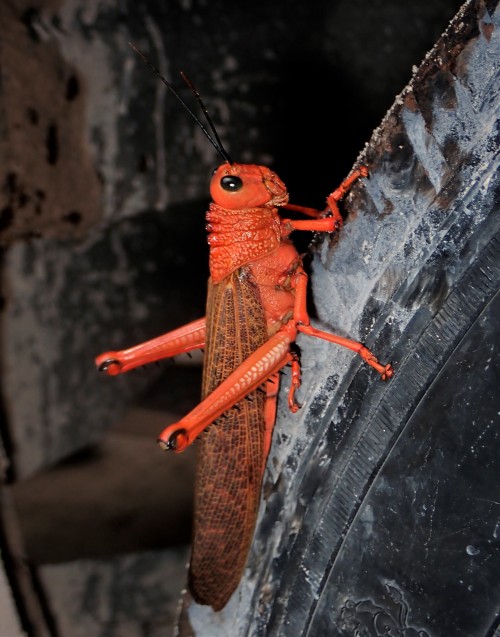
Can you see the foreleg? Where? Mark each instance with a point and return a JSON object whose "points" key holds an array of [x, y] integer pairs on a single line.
{"points": [[321, 222]]}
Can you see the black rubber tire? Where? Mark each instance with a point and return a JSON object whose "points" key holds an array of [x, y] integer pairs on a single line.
{"points": [[381, 500]]}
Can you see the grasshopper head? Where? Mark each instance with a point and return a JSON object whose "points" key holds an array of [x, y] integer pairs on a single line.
{"points": [[238, 186]]}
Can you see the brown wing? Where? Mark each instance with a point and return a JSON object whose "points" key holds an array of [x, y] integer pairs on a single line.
{"points": [[230, 457]]}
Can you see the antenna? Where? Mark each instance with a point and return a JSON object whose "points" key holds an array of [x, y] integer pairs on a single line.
{"points": [[214, 140], [203, 108]]}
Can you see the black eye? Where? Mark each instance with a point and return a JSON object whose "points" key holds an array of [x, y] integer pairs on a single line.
{"points": [[231, 183]]}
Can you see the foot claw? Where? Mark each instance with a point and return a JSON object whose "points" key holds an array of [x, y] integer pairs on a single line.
{"points": [[176, 441], [110, 366], [388, 372]]}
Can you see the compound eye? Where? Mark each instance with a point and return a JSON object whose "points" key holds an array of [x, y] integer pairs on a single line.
{"points": [[231, 183]]}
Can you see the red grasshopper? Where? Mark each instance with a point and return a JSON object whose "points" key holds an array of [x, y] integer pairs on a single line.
{"points": [[256, 306]]}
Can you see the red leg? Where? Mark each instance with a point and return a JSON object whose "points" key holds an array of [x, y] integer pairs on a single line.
{"points": [[321, 223], [292, 404], [309, 212], [178, 341], [303, 325], [333, 199], [346, 185], [272, 389], [266, 361]]}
